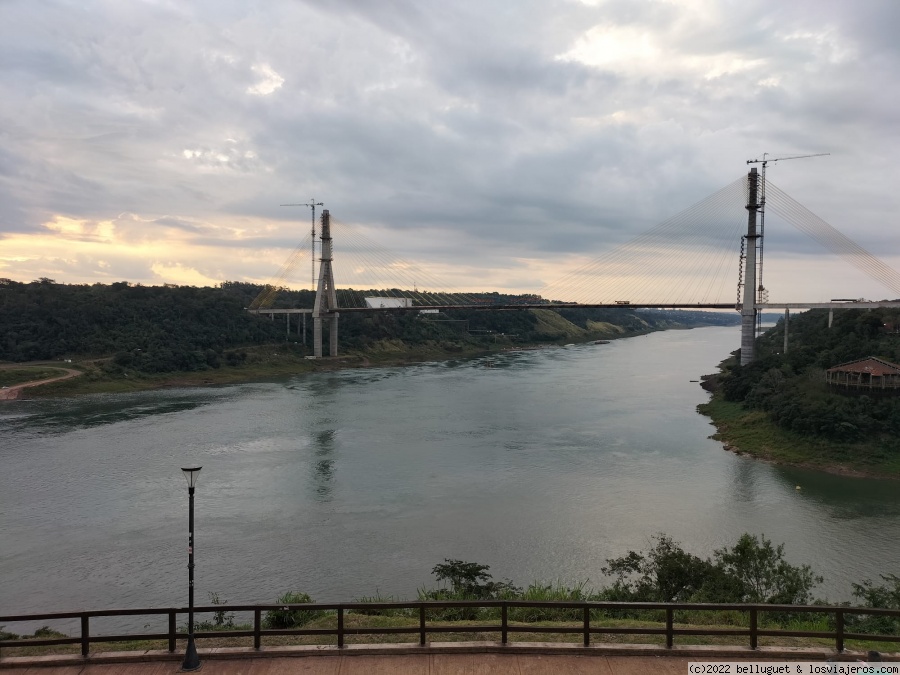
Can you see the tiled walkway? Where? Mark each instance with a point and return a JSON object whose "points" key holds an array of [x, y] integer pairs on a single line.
{"points": [[401, 664], [421, 664]]}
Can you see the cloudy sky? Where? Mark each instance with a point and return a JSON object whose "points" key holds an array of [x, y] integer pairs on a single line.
{"points": [[498, 144]]}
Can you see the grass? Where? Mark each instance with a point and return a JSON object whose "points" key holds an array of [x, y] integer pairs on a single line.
{"points": [[18, 375], [751, 432], [355, 620]]}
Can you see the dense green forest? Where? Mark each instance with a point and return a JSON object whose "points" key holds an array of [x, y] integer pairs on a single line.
{"points": [[157, 329], [790, 389]]}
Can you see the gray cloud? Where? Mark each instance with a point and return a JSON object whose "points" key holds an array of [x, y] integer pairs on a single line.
{"points": [[530, 129]]}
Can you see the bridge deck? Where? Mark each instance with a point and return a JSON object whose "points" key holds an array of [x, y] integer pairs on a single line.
{"points": [[861, 304]]}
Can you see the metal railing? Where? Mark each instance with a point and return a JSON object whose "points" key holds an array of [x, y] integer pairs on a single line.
{"points": [[590, 632]]}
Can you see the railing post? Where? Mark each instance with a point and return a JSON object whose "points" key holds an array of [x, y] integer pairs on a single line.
{"points": [[587, 626], [257, 627], [422, 624], [340, 626], [670, 621], [85, 635], [754, 626], [839, 630], [172, 630], [504, 615]]}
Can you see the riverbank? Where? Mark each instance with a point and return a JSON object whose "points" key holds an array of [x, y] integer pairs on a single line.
{"points": [[269, 361], [15, 379], [262, 363], [751, 432]]}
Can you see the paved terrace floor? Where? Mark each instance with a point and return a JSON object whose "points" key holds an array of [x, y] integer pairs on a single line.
{"points": [[409, 664], [412, 664]]}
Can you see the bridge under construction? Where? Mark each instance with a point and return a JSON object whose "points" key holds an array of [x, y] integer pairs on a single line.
{"points": [[640, 270]]}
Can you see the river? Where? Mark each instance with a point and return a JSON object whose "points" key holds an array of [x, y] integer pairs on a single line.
{"points": [[344, 483]]}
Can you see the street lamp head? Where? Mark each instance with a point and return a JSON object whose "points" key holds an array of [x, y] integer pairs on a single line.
{"points": [[191, 474]]}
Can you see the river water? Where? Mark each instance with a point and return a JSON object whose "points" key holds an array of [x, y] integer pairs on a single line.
{"points": [[345, 483]]}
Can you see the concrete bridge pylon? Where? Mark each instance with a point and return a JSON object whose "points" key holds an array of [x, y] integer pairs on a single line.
{"points": [[325, 308], [748, 305]]}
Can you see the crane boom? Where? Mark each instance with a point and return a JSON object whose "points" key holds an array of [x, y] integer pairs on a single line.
{"points": [[764, 160], [312, 203]]}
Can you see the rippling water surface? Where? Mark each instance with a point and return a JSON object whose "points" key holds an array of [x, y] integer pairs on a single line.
{"points": [[340, 484]]}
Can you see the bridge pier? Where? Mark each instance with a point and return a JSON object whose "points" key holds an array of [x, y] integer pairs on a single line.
{"points": [[318, 342], [317, 337], [748, 308], [787, 318], [326, 298]]}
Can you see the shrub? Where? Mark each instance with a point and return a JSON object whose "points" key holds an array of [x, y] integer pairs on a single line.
{"points": [[468, 581], [291, 618], [753, 571], [222, 620], [886, 597], [47, 632]]}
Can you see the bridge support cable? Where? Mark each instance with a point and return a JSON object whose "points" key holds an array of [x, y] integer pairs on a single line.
{"points": [[365, 266], [680, 273], [688, 254], [810, 224], [655, 257], [376, 266], [697, 267], [266, 297]]}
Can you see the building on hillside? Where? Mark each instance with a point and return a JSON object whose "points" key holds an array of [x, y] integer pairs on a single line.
{"points": [[869, 373]]}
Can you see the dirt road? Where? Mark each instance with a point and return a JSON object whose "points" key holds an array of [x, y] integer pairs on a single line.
{"points": [[12, 392]]}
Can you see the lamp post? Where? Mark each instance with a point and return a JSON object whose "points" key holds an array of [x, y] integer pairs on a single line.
{"points": [[191, 659]]}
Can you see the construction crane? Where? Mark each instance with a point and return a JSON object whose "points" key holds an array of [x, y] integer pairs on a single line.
{"points": [[312, 203], [761, 292]]}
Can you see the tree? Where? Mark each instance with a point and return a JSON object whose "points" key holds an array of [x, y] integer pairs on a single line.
{"points": [[667, 573], [764, 574], [470, 580], [884, 597], [752, 571]]}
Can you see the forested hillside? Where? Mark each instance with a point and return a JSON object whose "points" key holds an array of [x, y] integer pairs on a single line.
{"points": [[789, 390], [164, 328], [156, 329]]}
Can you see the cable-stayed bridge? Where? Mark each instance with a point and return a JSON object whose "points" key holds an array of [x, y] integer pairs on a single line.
{"points": [[688, 261]]}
